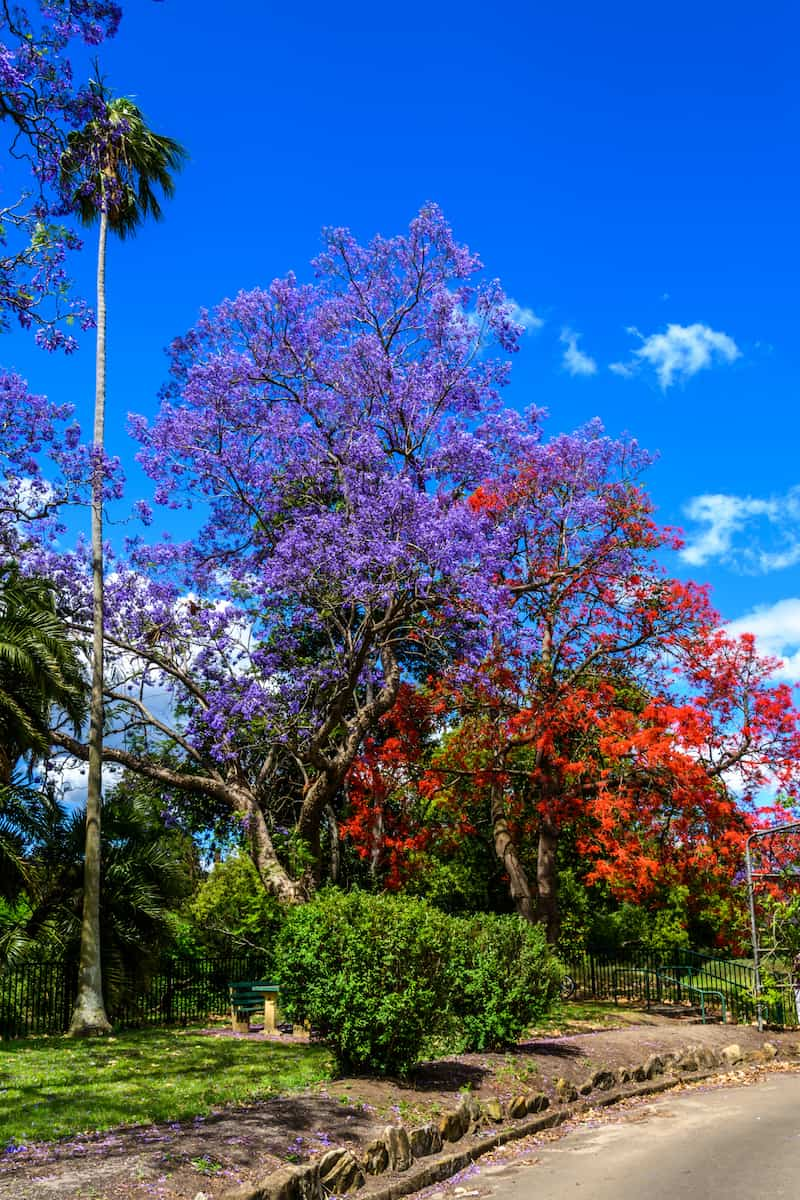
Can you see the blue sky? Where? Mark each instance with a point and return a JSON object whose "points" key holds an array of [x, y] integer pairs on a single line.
{"points": [[630, 173]]}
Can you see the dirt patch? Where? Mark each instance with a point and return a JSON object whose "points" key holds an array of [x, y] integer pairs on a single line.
{"points": [[215, 1153]]}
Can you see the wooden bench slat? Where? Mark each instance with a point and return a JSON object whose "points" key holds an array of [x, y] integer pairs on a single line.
{"points": [[249, 996]]}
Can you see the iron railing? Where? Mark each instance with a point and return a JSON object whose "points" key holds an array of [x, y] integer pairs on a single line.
{"points": [[38, 997], [706, 980]]}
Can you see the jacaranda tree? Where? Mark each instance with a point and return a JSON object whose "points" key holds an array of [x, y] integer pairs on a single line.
{"points": [[39, 103], [329, 436]]}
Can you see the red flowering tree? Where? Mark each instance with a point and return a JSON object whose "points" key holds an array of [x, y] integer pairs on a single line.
{"points": [[613, 705]]}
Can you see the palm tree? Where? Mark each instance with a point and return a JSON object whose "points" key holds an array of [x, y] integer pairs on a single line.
{"points": [[39, 669], [111, 170]]}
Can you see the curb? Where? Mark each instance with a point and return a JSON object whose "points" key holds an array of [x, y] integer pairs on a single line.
{"points": [[313, 1181], [442, 1168]]}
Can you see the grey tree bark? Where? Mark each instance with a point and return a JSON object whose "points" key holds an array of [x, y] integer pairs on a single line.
{"points": [[89, 1016]]}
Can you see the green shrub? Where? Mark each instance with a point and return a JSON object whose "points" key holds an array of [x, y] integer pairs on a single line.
{"points": [[385, 976], [372, 971], [232, 912], [504, 979]]}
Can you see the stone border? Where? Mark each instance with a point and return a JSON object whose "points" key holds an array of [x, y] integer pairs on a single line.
{"points": [[340, 1170]]}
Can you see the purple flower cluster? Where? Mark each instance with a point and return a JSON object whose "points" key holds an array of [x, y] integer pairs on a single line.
{"points": [[42, 103]]}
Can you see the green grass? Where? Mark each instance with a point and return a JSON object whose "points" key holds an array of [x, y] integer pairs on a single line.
{"points": [[58, 1087], [601, 1013]]}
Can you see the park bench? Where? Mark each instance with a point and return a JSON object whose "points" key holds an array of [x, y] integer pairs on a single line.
{"points": [[249, 997]]}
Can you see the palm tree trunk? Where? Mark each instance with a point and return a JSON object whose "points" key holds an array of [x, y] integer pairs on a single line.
{"points": [[89, 1016]]}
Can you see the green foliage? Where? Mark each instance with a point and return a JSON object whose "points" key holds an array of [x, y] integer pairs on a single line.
{"points": [[457, 885], [386, 975], [39, 669], [628, 926], [575, 901], [372, 970], [231, 910], [146, 874], [504, 979], [779, 918]]}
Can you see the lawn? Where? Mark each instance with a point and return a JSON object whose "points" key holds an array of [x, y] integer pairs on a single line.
{"points": [[599, 1014], [56, 1087]]}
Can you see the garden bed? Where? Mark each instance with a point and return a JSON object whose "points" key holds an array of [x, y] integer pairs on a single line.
{"points": [[237, 1144]]}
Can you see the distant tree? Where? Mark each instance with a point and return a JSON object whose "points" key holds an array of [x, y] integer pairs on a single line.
{"points": [[231, 910]]}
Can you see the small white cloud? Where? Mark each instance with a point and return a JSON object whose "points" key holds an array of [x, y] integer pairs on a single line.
{"points": [[70, 779], [623, 369], [748, 533], [680, 352], [575, 361], [525, 317], [723, 516], [776, 628]]}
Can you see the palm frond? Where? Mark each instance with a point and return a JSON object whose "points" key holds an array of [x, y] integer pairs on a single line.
{"points": [[118, 164]]}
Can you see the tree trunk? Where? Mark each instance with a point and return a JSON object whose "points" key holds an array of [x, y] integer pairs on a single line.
{"points": [[333, 827], [271, 871], [547, 911], [319, 795], [89, 1016], [506, 851]]}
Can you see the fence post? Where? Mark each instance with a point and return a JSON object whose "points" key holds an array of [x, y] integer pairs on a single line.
{"points": [[170, 991]]}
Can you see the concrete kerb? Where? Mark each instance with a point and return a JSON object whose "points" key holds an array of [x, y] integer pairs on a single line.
{"points": [[448, 1165], [304, 1182]]}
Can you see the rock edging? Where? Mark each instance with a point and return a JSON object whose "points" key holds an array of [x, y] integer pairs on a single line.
{"points": [[399, 1151]]}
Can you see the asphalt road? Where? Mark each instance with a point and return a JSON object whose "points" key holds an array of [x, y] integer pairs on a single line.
{"points": [[733, 1143]]}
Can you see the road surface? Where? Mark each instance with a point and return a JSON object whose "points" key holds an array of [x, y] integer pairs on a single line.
{"points": [[731, 1143]]}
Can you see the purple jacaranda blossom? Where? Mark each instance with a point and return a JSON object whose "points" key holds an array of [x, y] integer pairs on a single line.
{"points": [[44, 465], [333, 433], [42, 102]]}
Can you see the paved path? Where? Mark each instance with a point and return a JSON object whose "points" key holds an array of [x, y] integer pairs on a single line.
{"points": [[735, 1143]]}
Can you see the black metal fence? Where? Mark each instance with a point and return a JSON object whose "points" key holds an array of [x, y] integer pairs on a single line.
{"points": [[647, 978], [38, 997]]}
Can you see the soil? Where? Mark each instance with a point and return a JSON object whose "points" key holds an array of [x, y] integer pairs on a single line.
{"points": [[213, 1155]]}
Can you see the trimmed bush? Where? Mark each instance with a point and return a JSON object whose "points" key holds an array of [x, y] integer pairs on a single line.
{"points": [[386, 975], [371, 971], [504, 979]]}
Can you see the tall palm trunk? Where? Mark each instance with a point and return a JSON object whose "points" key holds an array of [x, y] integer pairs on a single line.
{"points": [[89, 1016]]}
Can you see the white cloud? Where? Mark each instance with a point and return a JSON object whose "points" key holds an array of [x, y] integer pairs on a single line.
{"points": [[680, 352], [747, 533], [525, 317], [776, 628], [71, 783], [575, 361]]}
